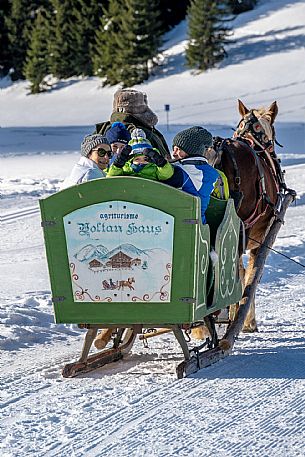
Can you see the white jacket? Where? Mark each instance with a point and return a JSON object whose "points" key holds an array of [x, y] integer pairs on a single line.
{"points": [[85, 170]]}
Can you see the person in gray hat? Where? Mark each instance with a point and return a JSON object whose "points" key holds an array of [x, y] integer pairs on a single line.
{"points": [[130, 107], [192, 172], [95, 156]]}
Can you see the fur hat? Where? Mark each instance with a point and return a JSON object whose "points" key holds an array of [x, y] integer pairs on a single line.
{"points": [[134, 102], [194, 141], [118, 133], [90, 141], [138, 141]]}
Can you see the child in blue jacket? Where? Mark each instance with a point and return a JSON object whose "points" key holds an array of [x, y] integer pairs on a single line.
{"points": [[192, 173]]}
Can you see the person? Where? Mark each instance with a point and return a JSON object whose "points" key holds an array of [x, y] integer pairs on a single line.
{"points": [[140, 159], [95, 156], [192, 172], [118, 136], [130, 107]]}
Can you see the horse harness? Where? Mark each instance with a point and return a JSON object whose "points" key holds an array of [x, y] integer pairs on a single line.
{"points": [[225, 145], [250, 130]]}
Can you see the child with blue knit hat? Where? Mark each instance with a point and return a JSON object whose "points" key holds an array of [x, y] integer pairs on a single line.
{"points": [[118, 136], [140, 159]]}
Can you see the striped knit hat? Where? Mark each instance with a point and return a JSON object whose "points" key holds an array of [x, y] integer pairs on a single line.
{"points": [[90, 141], [138, 141]]}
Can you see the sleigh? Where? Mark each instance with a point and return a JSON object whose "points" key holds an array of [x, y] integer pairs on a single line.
{"points": [[132, 256]]}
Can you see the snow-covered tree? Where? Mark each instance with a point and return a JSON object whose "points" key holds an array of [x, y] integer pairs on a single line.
{"points": [[207, 33], [127, 41]]}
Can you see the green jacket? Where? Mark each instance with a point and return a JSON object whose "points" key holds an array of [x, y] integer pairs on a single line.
{"points": [[152, 134], [150, 171]]}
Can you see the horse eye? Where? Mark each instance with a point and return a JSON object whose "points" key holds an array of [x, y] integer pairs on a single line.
{"points": [[257, 127]]}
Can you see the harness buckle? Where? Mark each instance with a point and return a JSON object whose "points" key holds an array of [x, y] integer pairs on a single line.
{"points": [[237, 180]]}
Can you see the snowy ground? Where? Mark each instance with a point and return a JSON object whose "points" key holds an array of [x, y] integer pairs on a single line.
{"points": [[251, 404]]}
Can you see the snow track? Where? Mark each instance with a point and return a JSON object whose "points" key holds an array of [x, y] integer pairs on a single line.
{"points": [[8, 218]]}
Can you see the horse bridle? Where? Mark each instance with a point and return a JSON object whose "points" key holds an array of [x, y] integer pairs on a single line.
{"points": [[251, 129]]}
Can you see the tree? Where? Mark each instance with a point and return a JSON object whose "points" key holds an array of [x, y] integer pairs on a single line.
{"points": [[87, 15], [37, 63], [5, 60], [127, 41], [63, 41], [19, 25], [207, 33]]}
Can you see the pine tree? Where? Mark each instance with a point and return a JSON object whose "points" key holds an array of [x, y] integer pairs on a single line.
{"points": [[5, 60], [63, 41], [87, 14], [105, 52], [127, 41], [19, 25], [207, 33], [37, 64]]}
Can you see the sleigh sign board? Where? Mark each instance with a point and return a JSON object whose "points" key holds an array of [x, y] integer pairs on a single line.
{"points": [[120, 252]]}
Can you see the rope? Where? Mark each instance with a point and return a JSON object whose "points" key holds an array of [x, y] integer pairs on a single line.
{"points": [[277, 252]]}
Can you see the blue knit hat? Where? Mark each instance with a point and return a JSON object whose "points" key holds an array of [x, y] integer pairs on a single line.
{"points": [[118, 133]]}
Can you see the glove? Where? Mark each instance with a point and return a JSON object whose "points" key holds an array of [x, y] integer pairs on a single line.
{"points": [[122, 157], [154, 156]]}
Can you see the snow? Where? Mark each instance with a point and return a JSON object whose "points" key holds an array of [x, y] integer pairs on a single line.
{"points": [[251, 403]]}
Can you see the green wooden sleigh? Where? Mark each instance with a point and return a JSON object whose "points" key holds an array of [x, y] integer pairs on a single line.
{"points": [[131, 254]]}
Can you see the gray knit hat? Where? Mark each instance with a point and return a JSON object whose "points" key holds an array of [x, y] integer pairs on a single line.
{"points": [[90, 141], [194, 141]]}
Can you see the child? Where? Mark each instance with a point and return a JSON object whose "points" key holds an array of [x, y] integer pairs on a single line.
{"points": [[192, 173], [118, 136], [139, 158]]}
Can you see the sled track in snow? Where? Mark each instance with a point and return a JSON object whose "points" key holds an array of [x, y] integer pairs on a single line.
{"points": [[152, 412], [9, 218]]}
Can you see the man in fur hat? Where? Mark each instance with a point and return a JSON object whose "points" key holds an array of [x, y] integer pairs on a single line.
{"points": [[131, 108]]}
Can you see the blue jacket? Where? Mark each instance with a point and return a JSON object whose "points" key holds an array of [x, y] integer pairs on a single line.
{"points": [[85, 170], [196, 177]]}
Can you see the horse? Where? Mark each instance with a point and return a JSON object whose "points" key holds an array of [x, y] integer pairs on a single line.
{"points": [[255, 181], [127, 283]]}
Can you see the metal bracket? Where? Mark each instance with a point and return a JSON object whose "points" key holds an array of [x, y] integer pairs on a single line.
{"points": [[58, 299], [190, 221], [188, 299], [47, 223]]}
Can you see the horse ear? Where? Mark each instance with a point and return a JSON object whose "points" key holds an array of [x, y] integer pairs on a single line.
{"points": [[273, 110], [242, 108]]}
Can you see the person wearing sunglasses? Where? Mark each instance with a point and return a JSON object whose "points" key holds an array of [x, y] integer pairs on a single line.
{"points": [[95, 157]]}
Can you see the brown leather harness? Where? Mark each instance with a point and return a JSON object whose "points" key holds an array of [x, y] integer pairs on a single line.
{"points": [[255, 137]]}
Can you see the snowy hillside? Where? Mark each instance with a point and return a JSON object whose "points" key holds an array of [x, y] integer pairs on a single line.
{"points": [[251, 404], [265, 63]]}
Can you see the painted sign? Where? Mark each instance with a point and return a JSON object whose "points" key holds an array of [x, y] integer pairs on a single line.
{"points": [[121, 252]]}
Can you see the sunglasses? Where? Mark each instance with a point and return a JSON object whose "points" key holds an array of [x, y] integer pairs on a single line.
{"points": [[101, 152]]}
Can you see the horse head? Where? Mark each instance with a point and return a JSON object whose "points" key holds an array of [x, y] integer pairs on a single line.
{"points": [[256, 126]]}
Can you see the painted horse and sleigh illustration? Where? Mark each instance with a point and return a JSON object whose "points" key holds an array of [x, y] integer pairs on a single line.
{"points": [[131, 256]]}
